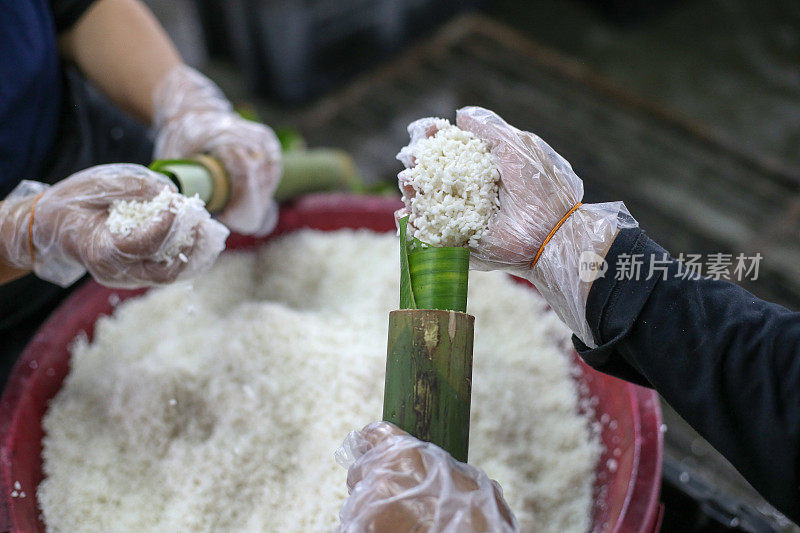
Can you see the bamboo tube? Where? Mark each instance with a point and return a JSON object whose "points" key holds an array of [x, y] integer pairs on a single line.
{"points": [[198, 174], [316, 170], [429, 376], [304, 171]]}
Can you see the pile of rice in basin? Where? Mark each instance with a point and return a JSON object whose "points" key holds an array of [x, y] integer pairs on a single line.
{"points": [[217, 405]]}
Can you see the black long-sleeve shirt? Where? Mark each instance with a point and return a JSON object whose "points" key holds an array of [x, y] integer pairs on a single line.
{"points": [[726, 361]]}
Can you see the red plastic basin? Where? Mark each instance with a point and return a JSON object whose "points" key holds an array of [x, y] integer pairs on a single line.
{"points": [[628, 480]]}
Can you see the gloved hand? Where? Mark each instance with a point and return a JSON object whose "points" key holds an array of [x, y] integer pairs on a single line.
{"points": [[60, 231], [538, 188], [399, 484], [193, 116]]}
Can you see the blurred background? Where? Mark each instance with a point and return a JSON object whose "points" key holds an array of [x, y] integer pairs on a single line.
{"points": [[688, 110]]}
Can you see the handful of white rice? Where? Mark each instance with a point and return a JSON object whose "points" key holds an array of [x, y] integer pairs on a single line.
{"points": [[450, 185], [128, 216]]}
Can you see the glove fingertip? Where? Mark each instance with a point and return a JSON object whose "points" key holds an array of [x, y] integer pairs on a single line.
{"points": [[377, 432], [483, 123]]}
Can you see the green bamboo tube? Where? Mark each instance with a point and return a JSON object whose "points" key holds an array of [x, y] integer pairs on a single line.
{"points": [[304, 171], [316, 170], [198, 174], [429, 376]]}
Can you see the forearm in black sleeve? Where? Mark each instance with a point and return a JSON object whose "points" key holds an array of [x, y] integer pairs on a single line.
{"points": [[726, 361]]}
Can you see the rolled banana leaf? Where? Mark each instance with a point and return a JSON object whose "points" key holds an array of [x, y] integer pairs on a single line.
{"points": [[432, 277]]}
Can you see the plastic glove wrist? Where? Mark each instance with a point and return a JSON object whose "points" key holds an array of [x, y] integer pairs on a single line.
{"points": [[16, 213], [184, 90], [575, 257]]}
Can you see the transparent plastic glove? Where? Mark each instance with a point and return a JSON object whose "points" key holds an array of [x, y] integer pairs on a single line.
{"points": [[70, 235], [537, 189], [193, 116], [399, 484]]}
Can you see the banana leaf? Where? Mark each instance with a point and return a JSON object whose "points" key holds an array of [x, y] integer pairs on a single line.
{"points": [[407, 300], [432, 277]]}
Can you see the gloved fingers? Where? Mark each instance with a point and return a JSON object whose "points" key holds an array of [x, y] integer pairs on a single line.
{"points": [[404, 182], [80, 205], [193, 116], [254, 170], [134, 271], [511, 147], [122, 259], [99, 186], [400, 484], [502, 506], [210, 238], [391, 469], [145, 241], [167, 246], [71, 233], [528, 166], [378, 432], [379, 510], [115, 267], [517, 169], [502, 246], [270, 221], [162, 272], [249, 152], [485, 124], [358, 443], [184, 89], [418, 130], [156, 273]]}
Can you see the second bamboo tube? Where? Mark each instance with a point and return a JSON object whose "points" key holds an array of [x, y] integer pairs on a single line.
{"points": [[429, 376]]}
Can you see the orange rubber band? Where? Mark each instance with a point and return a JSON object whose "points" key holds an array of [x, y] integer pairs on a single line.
{"points": [[30, 229], [553, 232]]}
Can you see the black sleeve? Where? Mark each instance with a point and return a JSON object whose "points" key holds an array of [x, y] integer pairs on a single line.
{"points": [[67, 12], [726, 361]]}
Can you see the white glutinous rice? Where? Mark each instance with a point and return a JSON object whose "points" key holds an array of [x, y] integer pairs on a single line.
{"points": [[127, 216], [218, 406], [455, 184]]}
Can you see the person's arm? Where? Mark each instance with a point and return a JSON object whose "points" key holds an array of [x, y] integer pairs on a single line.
{"points": [[7, 272], [121, 48], [726, 361]]}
